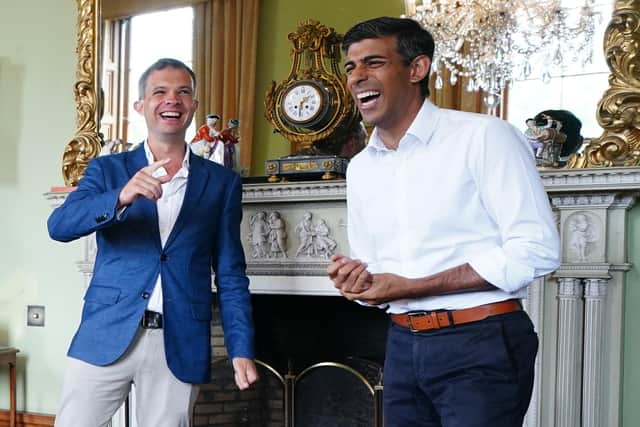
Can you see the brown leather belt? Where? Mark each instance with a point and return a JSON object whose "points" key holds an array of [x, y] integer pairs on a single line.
{"points": [[419, 321]]}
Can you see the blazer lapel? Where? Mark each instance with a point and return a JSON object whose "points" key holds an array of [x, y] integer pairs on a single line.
{"points": [[136, 160], [196, 184]]}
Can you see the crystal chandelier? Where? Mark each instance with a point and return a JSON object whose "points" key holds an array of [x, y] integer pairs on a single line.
{"points": [[491, 41]]}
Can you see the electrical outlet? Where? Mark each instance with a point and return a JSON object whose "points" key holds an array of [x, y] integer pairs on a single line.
{"points": [[35, 315]]}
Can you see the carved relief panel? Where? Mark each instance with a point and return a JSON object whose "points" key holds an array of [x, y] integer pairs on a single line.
{"points": [[293, 229], [273, 235], [583, 237]]}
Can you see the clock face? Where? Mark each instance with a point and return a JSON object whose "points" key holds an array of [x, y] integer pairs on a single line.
{"points": [[302, 102]]}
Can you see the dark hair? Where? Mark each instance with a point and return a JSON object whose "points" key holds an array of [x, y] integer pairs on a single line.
{"points": [[161, 64], [213, 116], [412, 40]]}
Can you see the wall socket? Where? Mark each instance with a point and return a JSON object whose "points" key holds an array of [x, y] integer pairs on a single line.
{"points": [[35, 315]]}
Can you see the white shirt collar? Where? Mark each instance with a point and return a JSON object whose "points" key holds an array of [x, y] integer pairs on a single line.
{"points": [[150, 158], [422, 127]]}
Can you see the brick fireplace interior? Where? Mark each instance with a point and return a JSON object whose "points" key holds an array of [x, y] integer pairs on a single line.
{"points": [[320, 358]]}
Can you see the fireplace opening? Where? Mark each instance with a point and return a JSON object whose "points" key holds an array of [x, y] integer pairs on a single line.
{"points": [[297, 331], [320, 362]]}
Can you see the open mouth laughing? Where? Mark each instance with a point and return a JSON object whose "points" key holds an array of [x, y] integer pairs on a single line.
{"points": [[170, 115], [367, 98]]}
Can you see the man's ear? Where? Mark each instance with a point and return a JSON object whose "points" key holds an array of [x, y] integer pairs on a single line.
{"points": [[419, 68], [138, 106]]}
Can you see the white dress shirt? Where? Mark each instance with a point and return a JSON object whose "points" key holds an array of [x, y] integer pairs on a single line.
{"points": [[168, 209], [460, 188]]}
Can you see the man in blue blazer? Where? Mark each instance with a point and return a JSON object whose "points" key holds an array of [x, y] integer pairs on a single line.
{"points": [[163, 219]]}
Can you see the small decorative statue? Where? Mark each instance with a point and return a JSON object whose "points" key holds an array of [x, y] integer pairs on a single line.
{"points": [[205, 143], [533, 134], [229, 138], [554, 135]]}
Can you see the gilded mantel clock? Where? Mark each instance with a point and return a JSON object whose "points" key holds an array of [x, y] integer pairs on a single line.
{"points": [[312, 107]]}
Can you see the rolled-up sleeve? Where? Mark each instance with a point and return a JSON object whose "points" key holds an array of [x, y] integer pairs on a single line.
{"points": [[513, 195]]}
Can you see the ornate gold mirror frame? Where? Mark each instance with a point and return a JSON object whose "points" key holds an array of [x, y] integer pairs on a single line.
{"points": [[86, 143], [618, 112]]}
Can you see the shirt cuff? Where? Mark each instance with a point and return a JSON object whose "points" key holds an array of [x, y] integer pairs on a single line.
{"points": [[506, 274], [120, 212]]}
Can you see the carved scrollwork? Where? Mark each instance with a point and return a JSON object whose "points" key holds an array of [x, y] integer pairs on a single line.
{"points": [[618, 111], [310, 35], [86, 143]]}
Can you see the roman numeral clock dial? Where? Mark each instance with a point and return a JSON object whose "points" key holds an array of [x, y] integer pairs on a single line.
{"points": [[303, 102]]}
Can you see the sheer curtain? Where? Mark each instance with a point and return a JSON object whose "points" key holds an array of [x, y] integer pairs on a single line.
{"points": [[225, 48]]}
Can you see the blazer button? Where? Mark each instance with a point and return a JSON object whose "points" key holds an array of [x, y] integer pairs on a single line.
{"points": [[163, 257], [145, 295]]}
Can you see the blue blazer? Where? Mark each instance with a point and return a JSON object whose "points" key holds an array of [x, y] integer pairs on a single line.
{"points": [[130, 257]]}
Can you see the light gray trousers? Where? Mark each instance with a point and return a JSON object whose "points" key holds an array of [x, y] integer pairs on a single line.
{"points": [[92, 394]]}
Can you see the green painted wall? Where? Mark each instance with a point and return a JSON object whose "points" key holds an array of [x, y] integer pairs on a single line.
{"points": [[37, 118], [278, 18]]}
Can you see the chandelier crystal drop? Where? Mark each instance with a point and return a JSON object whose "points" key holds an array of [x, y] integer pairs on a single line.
{"points": [[491, 42]]}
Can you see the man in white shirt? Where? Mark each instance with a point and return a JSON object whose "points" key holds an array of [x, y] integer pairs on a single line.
{"points": [[448, 224], [163, 219]]}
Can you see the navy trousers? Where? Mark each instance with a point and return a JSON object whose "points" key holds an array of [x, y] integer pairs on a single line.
{"points": [[478, 374]]}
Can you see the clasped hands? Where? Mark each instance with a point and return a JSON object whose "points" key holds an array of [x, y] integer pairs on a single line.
{"points": [[355, 282]]}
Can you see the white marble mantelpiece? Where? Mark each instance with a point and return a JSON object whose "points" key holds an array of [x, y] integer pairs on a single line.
{"points": [[581, 348], [294, 192], [590, 180]]}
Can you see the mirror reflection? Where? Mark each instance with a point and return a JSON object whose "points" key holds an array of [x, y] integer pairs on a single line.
{"points": [[575, 88]]}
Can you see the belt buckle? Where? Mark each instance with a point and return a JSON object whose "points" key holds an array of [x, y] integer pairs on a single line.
{"points": [[413, 314], [151, 320]]}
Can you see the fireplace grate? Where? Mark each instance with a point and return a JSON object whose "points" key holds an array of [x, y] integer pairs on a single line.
{"points": [[326, 394]]}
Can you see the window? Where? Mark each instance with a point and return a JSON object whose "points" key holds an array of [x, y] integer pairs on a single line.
{"points": [[131, 45], [575, 88]]}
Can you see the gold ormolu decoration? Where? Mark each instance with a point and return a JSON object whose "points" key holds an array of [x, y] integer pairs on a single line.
{"points": [[86, 143], [313, 46], [619, 110]]}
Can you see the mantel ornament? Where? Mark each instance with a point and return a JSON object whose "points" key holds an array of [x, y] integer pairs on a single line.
{"points": [[312, 104], [312, 108], [618, 111]]}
